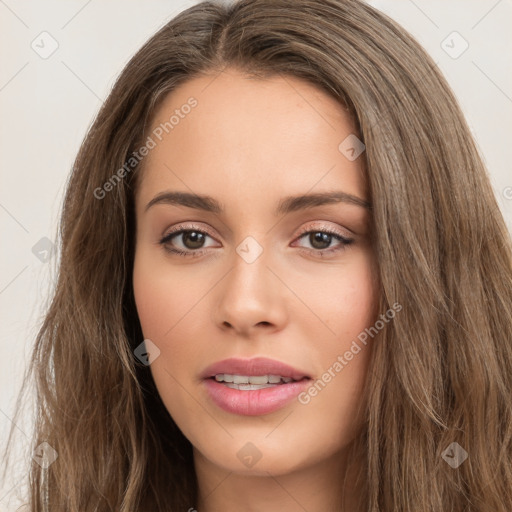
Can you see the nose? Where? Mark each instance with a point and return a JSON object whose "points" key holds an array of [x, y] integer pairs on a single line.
{"points": [[251, 298]]}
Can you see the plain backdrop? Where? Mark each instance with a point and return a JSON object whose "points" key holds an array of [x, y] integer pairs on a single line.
{"points": [[47, 103]]}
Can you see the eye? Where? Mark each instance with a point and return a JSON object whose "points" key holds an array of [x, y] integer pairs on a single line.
{"points": [[321, 239], [191, 238]]}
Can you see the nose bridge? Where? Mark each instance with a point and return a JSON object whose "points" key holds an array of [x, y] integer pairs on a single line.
{"points": [[248, 279], [250, 250], [248, 297]]}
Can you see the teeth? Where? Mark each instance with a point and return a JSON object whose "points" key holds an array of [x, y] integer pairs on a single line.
{"points": [[248, 387], [257, 380]]}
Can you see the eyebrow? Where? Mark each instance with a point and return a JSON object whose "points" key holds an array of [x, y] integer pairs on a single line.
{"points": [[286, 205]]}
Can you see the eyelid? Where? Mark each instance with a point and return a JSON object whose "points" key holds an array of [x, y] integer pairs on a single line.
{"points": [[187, 227], [326, 227]]}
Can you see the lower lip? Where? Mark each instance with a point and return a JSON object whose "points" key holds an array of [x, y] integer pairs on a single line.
{"points": [[255, 402]]}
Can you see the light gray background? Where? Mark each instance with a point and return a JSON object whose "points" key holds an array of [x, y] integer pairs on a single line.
{"points": [[47, 105]]}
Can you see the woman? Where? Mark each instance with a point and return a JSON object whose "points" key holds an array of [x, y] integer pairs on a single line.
{"points": [[285, 282]]}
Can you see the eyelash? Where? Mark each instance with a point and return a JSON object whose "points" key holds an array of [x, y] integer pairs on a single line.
{"points": [[196, 253]]}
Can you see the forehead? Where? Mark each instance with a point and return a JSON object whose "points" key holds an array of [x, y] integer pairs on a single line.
{"points": [[242, 137]]}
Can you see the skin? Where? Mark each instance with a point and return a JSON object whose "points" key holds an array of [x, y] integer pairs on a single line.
{"points": [[248, 143]]}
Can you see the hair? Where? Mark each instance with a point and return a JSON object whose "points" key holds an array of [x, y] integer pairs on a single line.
{"points": [[440, 372]]}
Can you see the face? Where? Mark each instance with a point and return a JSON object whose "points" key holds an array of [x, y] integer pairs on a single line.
{"points": [[279, 287]]}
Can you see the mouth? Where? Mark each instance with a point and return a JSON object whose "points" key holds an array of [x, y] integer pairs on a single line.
{"points": [[252, 387]]}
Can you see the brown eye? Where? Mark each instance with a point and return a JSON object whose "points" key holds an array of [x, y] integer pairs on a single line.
{"points": [[185, 242], [192, 239], [320, 241]]}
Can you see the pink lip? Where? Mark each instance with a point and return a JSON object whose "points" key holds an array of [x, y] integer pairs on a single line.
{"points": [[255, 402]]}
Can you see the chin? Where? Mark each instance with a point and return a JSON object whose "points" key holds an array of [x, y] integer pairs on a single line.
{"points": [[254, 458]]}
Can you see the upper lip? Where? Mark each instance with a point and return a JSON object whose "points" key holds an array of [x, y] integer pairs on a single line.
{"points": [[252, 367]]}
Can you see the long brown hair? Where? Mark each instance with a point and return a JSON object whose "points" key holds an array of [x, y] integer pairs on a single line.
{"points": [[441, 371]]}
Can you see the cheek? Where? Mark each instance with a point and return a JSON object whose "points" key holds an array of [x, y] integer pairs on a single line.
{"points": [[150, 299], [346, 301], [356, 306], [171, 314], [162, 303], [163, 296], [349, 308]]}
